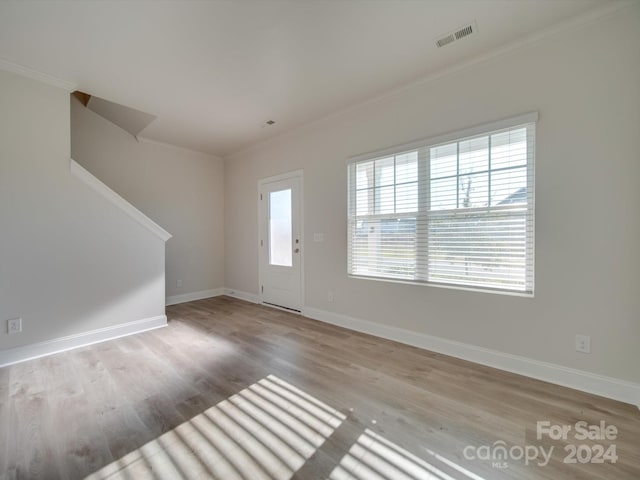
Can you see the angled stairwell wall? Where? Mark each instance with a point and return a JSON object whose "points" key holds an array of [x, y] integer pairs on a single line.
{"points": [[73, 265], [181, 190]]}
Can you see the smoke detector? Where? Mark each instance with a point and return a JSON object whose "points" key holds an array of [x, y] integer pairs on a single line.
{"points": [[457, 34]]}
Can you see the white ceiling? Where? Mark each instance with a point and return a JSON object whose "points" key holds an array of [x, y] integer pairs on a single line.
{"points": [[214, 71]]}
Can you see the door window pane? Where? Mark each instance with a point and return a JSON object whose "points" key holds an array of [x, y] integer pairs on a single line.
{"points": [[280, 241]]}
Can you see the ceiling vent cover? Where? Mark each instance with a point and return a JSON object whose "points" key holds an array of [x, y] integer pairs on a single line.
{"points": [[441, 42], [457, 34]]}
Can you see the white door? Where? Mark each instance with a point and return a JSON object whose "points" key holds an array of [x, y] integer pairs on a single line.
{"points": [[280, 241]]}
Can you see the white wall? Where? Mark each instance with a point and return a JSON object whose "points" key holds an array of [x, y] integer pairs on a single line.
{"points": [[70, 262], [585, 84], [180, 190]]}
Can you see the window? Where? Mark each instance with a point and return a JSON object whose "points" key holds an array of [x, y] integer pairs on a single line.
{"points": [[454, 211]]}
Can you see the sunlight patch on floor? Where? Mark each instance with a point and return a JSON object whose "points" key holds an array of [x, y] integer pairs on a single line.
{"points": [[266, 431], [373, 457]]}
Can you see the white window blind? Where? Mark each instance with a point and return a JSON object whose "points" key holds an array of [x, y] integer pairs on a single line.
{"points": [[453, 211]]}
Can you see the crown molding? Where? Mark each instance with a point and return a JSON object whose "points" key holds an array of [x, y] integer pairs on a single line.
{"points": [[8, 66], [175, 147], [579, 21]]}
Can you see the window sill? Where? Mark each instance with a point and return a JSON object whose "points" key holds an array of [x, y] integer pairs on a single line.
{"points": [[466, 288]]}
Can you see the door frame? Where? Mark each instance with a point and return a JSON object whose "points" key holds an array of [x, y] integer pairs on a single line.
{"points": [[298, 174]]}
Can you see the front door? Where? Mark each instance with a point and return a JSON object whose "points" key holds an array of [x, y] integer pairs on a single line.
{"points": [[280, 241]]}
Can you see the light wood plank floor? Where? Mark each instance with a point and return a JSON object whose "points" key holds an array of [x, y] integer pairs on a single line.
{"points": [[235, 390]]}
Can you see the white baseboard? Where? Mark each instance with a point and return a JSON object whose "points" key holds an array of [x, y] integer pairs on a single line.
{"points": [[609, 387], [58, 345], [190, 297], [216, 292], [248, 297]]}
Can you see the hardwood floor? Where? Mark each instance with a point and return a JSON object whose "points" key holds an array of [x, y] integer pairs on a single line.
{"points": [[235, 390]]}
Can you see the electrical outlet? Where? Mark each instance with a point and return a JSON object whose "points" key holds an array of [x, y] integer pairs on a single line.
{"points": [[583, 343], [179, 284], [329, 296], [14, 325]]}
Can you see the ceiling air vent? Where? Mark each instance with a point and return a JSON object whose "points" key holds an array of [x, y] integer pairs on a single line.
{"points": [[463, 32], [456, 35], [445, 40]]}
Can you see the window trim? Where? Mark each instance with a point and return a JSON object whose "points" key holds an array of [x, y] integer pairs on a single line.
{"points": [[476, 130], [420, 146]]}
